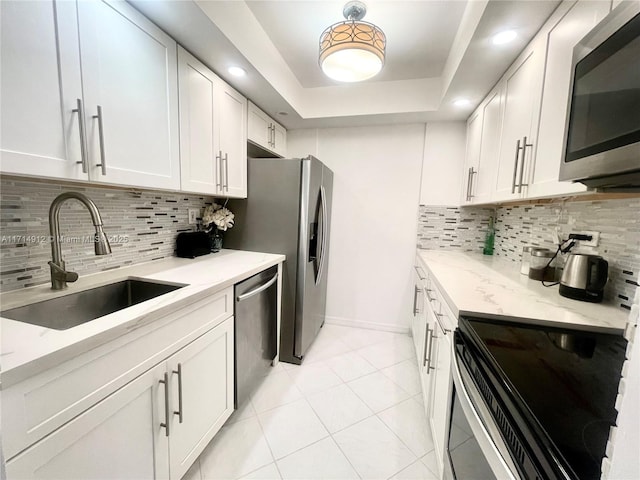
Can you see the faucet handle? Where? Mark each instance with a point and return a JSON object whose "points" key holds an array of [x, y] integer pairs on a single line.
{"points": [[60, 276]]}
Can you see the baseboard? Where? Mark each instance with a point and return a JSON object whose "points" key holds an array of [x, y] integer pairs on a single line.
{"points": [[347, 322]]}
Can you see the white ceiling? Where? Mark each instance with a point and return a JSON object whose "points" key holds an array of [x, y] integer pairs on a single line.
{"points": [[437, 51], [420, 34]]}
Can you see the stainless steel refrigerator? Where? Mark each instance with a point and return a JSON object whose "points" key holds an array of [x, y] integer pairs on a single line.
{"points": [[288, 211]]}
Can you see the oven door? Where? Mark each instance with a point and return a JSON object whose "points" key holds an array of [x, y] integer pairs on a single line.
{"points": [[475, 447]]}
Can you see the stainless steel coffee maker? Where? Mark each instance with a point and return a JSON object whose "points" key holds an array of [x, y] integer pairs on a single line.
{"points": [[584, 277]]}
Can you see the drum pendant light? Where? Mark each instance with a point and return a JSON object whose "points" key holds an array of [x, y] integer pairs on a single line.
{"points": [[352, 50]]}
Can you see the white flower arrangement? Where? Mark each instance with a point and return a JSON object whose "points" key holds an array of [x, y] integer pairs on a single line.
{"points": [[217, 216]]}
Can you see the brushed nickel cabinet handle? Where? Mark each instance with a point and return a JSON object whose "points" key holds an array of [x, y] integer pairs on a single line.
{"points": [[219, 183], [415, 300], [103, 158], [515, 168], [524, 150], [418, 269], [444, 330], [83, 134], [468, 197], [226, 171], [427, 361], [165, 382], [179, 373], [471, 174], [424, 350]]}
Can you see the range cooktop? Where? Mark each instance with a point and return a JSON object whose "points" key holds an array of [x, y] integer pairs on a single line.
{"points": [[561, 383]]}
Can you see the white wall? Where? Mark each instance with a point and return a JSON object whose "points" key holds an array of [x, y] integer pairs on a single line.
{"points": [[373, 226], [443, 162]]}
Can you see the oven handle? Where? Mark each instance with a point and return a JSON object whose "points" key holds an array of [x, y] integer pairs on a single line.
{"points": [[482, 424]]}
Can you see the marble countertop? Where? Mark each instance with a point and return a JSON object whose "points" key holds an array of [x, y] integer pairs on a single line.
{"points": [[473, 283], [27, 349]]}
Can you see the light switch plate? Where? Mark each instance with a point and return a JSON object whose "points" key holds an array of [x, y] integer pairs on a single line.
{"points": [[193, 216]]}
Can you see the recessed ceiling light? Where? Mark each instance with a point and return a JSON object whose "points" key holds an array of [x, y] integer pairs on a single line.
{"points": [[237, 71], [462, 102], [504, 37]]}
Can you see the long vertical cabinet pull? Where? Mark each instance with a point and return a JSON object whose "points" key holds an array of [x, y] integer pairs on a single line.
{"points": [[466, 197], [179, 373], [472, 172], [515, 167], [165, 382], [219, 184], [83, 135], [226, 172], [426, 346], [416, 291], [103, 158], [427, 360], [524, 152]]}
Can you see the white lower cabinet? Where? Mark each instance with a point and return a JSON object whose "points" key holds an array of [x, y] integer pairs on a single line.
{"points": [[119, 438], [433, 337], [201, 399], [154, 427]]}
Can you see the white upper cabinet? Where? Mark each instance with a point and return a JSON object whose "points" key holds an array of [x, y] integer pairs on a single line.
{"points": [[561, 38], [522, 91], [233, 141], [40, 87], [515, 137], [265, 132], [200, 167], [131, 97], [213, 126], [483, 146], [116, 115]]}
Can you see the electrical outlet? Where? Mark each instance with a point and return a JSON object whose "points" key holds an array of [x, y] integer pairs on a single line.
{"points": [[193, 216], [589, 243]]}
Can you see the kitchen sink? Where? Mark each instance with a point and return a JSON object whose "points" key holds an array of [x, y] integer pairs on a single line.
{"points": [[74, 309]]}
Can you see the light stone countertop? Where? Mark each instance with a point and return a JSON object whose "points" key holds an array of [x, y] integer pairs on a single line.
{"points": [[27, 349], [474, 283]]}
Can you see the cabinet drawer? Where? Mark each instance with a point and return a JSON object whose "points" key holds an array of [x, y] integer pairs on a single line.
{"points": [[37, 406]]}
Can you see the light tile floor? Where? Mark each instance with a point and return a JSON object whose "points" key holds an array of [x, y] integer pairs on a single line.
{"points": [[353, 410]]}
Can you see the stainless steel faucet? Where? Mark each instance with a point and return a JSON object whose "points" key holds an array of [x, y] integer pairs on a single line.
{"points": [[59, 276]]}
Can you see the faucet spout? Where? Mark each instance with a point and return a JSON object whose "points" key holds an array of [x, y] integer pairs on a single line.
{"points": [[59, 276]]}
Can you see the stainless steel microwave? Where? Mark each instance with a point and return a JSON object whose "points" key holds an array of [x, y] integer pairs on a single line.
{"points": [[602, 134]]}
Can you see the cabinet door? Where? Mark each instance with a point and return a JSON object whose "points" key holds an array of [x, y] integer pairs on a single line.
{"points": [[441, 391], [279, 139], [426, 364], [40, 85], [258, 127], [129, 70], [233, 141], [418, 318], [522, 91], [120, 437], [200, 167], [472, 156], [483, 180], [561, 39], [205, 383]]}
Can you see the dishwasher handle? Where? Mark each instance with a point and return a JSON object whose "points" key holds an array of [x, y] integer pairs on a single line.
{"points": [[255, 291]]}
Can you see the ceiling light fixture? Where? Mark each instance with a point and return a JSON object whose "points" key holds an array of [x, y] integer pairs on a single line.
{"points": [[237, 71], [504, 37], [352, 50]]}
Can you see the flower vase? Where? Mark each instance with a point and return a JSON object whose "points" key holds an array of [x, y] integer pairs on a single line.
{"points": [[216, 240]]}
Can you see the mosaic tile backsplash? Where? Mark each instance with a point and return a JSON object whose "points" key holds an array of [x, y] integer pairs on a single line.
{"points": [[141, 226], [618, 222]]}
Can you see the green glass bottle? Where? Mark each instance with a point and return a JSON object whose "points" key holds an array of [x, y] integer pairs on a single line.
{"points": [[489, 239]]}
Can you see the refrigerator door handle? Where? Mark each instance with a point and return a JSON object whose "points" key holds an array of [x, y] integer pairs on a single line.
{"points": [[323, 239]]}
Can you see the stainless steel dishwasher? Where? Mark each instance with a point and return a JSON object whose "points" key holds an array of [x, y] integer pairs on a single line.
{"points": [[255, 330]]}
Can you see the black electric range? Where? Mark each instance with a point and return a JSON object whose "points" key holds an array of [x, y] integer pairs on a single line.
{"points": [[551, 390]]}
